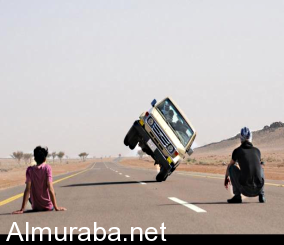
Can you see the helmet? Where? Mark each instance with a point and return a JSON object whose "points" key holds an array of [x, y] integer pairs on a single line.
{"points": [[246, 135]]}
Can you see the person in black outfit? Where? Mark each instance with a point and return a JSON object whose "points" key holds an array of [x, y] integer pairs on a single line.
{"points": [[248, 178]]}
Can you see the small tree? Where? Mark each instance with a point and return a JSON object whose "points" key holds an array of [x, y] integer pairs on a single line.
{"points": [[60, 155], [53, 155], [28, 158], [140, 153], [83, 156], [18, 156]]}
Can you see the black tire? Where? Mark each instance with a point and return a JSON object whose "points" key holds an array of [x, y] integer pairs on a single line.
{"points": [[165, 178], [126, 142], [133, 143], [130, 138], [174, 169], [162, 176], [159, 177]]}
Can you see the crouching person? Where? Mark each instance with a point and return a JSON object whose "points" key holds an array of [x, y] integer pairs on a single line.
{"points": [[248, 178], [39, 188]]}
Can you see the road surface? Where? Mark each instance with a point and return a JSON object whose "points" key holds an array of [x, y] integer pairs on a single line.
{"points": [[117, 196]]}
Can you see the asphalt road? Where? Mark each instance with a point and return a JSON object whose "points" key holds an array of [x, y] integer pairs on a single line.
{"points": [[116, 196]]}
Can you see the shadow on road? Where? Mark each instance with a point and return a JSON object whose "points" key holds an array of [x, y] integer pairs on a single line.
{"points": [[206, 203], [30, 211], [7, 214], [111, 183], [216, 203]]}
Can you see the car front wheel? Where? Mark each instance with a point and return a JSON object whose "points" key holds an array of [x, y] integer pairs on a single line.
{"points": [[162, 176]]}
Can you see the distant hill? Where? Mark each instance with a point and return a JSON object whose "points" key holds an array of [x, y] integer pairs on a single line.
{"points": [[269, 139]]}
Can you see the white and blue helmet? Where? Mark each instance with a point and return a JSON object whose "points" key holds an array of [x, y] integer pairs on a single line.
{"points": [[246, 135]]}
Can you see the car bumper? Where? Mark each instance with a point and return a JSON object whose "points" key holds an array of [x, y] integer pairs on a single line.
{"points": [[157, 154]]}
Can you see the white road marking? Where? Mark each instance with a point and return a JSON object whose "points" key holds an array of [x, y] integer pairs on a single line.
{"points": [[127, 176], [142, 183], [188, 205], [120, 173]]}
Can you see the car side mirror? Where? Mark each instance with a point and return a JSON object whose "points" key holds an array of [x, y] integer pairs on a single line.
{"points": [[189, 152], [154, 102]]}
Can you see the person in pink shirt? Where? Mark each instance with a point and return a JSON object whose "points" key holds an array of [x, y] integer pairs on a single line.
{"points": [[39, 187]]}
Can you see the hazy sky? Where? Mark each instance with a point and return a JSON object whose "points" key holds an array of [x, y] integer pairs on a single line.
{"points": [[74, 75]]}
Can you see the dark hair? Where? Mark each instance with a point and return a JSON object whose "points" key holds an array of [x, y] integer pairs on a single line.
{"points": [[40, 154]]}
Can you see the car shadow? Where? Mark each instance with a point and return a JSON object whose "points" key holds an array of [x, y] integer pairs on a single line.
{"points": [[111, 183]]}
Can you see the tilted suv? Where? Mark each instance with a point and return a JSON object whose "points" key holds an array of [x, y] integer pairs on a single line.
{"points": [[165, 134]]}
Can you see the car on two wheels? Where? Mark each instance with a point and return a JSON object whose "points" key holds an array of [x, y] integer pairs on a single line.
{"points": [[165, 134]]}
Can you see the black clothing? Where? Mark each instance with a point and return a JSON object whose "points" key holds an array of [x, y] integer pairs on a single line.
{"points": [[238, 189], [236, 199], [249, 159]]}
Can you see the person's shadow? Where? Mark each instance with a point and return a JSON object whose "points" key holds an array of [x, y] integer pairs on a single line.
{"points": [[30, 211], [7, 214], [205, 203]]}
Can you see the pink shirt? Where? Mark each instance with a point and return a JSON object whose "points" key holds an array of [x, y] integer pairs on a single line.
{"points": [[39, 176]]}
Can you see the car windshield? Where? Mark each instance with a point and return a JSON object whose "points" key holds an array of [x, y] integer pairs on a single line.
{"points": [[176, 121]]}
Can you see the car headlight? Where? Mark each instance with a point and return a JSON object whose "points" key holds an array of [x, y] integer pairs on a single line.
{"points": [[151, 121], [170, 149]]}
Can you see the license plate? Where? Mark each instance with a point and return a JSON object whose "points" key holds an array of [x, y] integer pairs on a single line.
{"points": [[152, 146]]}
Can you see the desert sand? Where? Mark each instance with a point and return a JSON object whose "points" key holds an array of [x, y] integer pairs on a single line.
{"points": [[13, 174]]}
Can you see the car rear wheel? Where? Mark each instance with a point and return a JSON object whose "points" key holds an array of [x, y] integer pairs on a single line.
{"points": [[131, 139], [133, 143]]}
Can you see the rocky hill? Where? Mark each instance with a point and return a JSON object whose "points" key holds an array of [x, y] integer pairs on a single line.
{"points": [[269, 139]]}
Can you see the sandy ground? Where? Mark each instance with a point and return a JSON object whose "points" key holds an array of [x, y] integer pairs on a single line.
{"points": [[208, 164], [12, 174]]}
